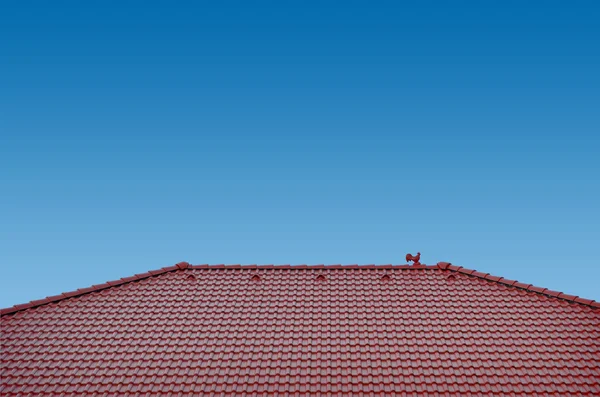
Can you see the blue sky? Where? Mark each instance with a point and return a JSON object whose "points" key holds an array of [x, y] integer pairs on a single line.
{"points": [[135, 135]]}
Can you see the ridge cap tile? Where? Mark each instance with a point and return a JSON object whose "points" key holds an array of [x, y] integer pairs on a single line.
{"points": [[55, 297], [182, 265], [444, 265], [493, 278], [567, 296], [536, 289], [552, 293], [584, 301]]}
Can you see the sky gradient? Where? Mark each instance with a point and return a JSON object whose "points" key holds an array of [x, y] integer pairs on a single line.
{"points": [[135, 135]]}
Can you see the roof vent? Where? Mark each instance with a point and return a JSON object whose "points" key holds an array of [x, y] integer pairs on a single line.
{"points": [[190, 277], [451, 277], [386, 278], [320, 278], [255, 278]]}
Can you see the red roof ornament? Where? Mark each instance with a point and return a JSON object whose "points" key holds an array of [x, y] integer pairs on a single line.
{"points": [[415, 259]]}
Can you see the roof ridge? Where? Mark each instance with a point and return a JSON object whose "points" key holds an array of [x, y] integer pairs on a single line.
{"points": [[515, 283], [186, 265], [321, 266]]}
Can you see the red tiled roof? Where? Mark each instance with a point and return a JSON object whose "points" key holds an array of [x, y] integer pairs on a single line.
{"points": [[320, 330]]}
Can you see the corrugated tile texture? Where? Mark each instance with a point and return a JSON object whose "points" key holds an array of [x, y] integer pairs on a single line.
{"points": [[398, 331]]}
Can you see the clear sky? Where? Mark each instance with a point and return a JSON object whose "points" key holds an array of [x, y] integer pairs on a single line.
{"points": [[139, 134]]}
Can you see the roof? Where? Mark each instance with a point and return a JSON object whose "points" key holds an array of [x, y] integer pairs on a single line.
{"points": [[304, 330]]}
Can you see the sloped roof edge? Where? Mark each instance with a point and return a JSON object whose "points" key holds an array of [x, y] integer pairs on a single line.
{"points": [[446, 266], [514, 283]]}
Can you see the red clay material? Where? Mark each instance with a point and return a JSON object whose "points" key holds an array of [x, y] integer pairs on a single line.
{"points": [[233, 330]]}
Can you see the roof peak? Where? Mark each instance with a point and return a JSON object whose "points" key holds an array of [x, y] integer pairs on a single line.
{"points": [[319, 266], [443, 266]]}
